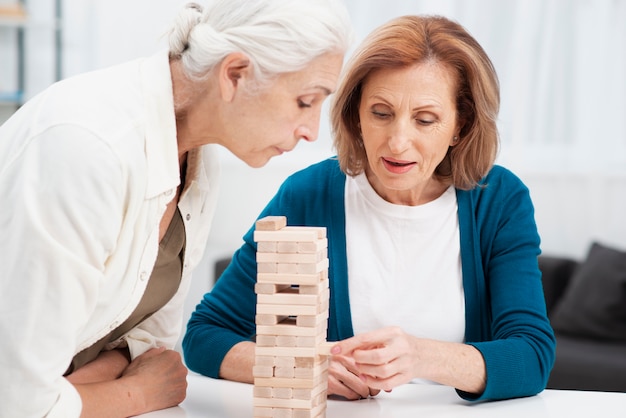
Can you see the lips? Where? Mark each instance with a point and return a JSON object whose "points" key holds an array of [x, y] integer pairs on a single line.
{"points": [[397, 166]]}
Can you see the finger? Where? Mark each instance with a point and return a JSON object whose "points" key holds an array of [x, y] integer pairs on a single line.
{"points": [[375, 356], [355, 383], [379, 371], [341, 369], [374, 392], [336, 387], [361, 341], [386, 384]]}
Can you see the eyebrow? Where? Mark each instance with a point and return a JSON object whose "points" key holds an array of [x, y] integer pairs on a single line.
{"points": [[426, 107], [324, 89]]}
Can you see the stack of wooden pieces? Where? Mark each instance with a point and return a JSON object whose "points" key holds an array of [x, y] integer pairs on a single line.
{"points": [[291, 363]]}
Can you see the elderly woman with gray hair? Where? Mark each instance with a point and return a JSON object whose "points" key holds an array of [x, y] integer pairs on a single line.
{"points": [[109, 184]]}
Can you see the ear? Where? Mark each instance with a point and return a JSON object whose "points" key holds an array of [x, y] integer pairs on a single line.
{"points": [[233, 71]]}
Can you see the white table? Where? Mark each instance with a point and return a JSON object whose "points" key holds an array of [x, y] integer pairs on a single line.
{"points": [[212, 398]]}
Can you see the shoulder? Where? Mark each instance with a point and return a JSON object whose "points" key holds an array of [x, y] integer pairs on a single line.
{"points": [[318, 176], [305, 195], [500, 176], [499, 191], [498, 182]]}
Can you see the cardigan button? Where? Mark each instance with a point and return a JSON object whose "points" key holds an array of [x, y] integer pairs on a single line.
{"points": [[143, 275]]}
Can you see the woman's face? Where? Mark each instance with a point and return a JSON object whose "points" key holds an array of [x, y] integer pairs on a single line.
{"points": [[272, 121], [408, 122]]}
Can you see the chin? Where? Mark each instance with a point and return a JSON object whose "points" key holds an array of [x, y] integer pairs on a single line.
{"points": [[257, 162]]}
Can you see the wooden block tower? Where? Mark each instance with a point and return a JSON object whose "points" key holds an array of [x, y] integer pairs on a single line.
{"points": [[291, 363]]}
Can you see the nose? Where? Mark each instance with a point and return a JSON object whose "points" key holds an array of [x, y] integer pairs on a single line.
{"points": [[309, 129], [399, 137]]}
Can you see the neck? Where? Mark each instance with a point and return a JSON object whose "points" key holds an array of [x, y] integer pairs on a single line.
{"points": [[193, 107]]}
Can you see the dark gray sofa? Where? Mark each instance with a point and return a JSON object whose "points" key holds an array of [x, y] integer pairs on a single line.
{"points": [[583, 304]]}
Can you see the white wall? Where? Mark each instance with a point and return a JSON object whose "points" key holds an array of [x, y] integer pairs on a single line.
{"points": [[574, 163]]}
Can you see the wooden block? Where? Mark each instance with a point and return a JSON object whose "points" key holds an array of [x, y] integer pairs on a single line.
{"points": [[287, 247], [283, 403], [286, 268], [292, 279], [280, 393], [282, 413], [286, 361], [290, 258], [311, 320], [267, 267], [277, 382], [306, 361], [264, 361], [313, 246], [263, 412], [283, 372], [320, 231], [294, 234], [269, 288], [324, 348], [286, 351], [262, 371], [266, 340], [314, 289], [312, 393], [309, 372], [309, 268], [267, 247], [289, 327], [308, 341], [269, 319], [263, 392], [288, 310], [271, 223], [318, 411], [286, 340], [290, 296]]}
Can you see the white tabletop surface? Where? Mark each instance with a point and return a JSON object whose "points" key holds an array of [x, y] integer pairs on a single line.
{"points": [[209, 398]]}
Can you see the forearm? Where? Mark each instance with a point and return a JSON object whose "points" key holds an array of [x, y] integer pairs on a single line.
{"points": [[155, 380], [238, 362], [109, 365], [115, 398], [452, 364]]}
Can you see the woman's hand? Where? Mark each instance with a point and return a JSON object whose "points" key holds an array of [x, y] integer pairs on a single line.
{"points": [[343, 381], [388, 357], [162, 377], [383, 359], [155, 380]]}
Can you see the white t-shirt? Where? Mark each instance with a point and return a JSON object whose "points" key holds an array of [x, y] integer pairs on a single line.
{"points": [[404, 264]]}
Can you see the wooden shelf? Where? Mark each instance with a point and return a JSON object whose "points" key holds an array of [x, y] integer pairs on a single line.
{"points": [[12, 15]]}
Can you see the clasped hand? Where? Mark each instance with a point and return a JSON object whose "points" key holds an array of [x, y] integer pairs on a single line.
{"points": [[365, 364]]}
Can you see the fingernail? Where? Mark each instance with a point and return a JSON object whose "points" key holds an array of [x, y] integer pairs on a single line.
{"points": [[335, 349]]}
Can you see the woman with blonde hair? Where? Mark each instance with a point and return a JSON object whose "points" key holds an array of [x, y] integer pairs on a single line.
{"points": [[433, 249]]}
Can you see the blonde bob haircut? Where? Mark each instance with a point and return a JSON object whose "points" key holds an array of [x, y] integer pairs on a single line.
{"points": [[407, 41]]}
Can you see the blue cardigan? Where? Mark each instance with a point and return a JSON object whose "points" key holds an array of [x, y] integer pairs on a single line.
{"points": [[504, 304]]}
